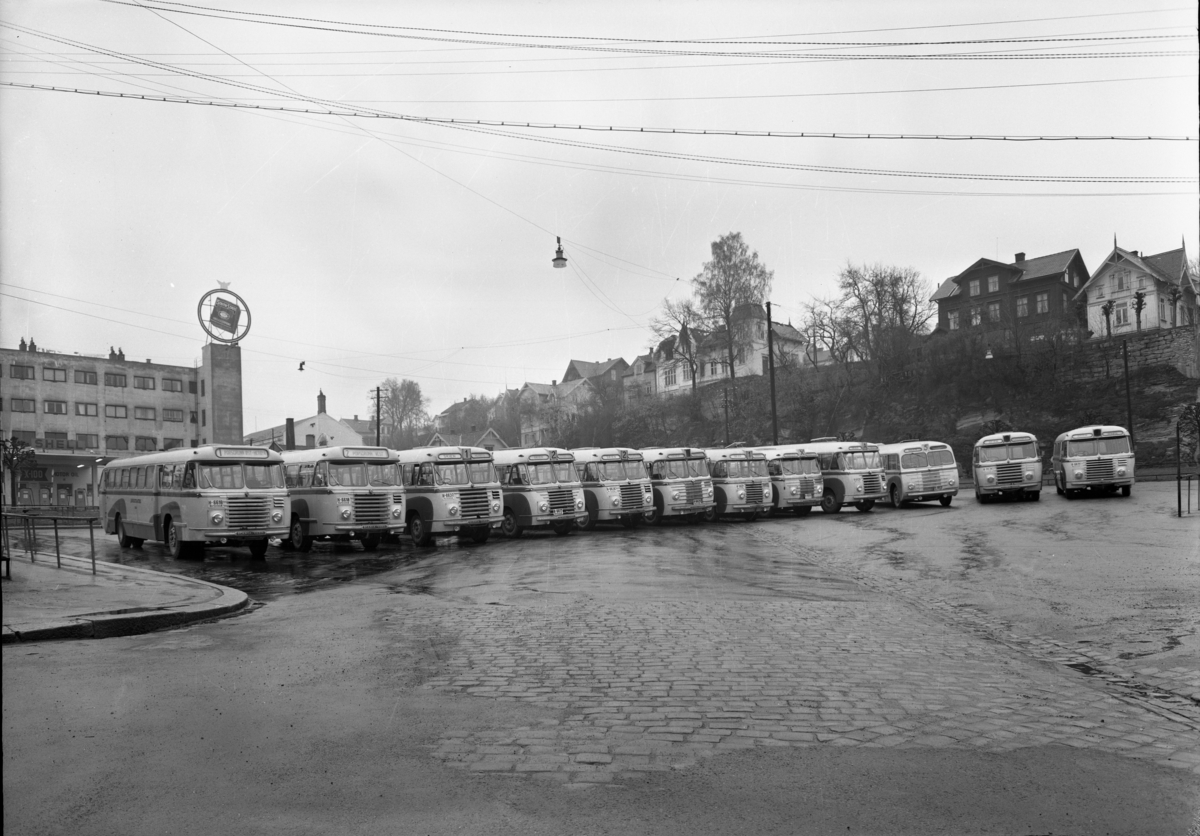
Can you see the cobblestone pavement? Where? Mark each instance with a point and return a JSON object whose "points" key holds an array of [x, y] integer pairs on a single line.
{"points": [[652, 686]]}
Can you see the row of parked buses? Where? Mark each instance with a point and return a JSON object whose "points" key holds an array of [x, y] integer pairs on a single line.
{"points": [[242, 495]]}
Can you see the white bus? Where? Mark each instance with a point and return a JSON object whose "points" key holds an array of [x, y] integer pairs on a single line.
{"points": [[189, 496], [450, 490], [919, 471], [796, 483], [681, 484], [1097, 458], [615, 485], [1007, 464], [541, 490], [851, 471], [342, 493], [740, 482]]}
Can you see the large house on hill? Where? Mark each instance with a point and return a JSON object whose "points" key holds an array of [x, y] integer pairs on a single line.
{"points": [[545, 407], [1165, 279], [1027, 300]]}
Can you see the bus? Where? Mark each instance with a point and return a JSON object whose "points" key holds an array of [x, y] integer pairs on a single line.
{"points": [[851, 472], [450, 490], [189, 496], [919, 471], [1007, 464], [341, 493], [795, 479], [740, 482], [681, 486], [541, 490], [615, 485], [1097, 458]]}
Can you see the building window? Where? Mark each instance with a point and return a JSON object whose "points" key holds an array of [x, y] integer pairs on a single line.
{"points": [[113, 410], [88, 378], [22, 405], [193, 418], [54, 407], [172, 443], [172, 385], [145, 444], [1043, 303], [993, 311], [20, 372], [993, 284], [687, 372], [144, 413], [1122, 280], [975, 316], [766, 364], [115, 380], [54, 375], [116, 442], [712, 368], [952, 317], [202, 388], [143, 382], [974, 287], [175, 415], [310, 441], [1141, 282], [1022, 306], [669, 377], [191, 387], [27, 437], [89, 410], [57, 441], [1121, 314], [87, 441], [204, 417]]}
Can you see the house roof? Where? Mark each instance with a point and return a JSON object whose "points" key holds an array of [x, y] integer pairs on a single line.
{"points": [[1030, 268], [647, 361], [786, 332], [448, 439], [1169, 266], [557, 390], [584, 368]]}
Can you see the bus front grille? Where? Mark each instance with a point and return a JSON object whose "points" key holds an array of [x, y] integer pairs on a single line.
{"points": [[872, 483], [562, 500], [248, 512], [474, 503], [808, 487], [1100, 469], [631, 496], [934, 481], [693, 493], [1008, 474], [754, 492], [370, 509]]}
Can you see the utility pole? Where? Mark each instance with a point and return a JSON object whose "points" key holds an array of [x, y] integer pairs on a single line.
{"points": [[771, 367], [727, 413], [1128, 397], [378, 427]]}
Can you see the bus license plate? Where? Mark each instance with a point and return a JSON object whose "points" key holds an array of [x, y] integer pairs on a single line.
{"points": [[558, 512]]}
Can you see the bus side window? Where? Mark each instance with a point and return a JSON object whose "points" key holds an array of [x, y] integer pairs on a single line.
{"points": [[164, 475], [305, 479], [320, 475], [425, 475], [124, 478], [189, 476], [291, 476]]}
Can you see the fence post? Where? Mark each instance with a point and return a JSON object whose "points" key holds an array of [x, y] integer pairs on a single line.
{"points": [[92, 541], [57, 549]]}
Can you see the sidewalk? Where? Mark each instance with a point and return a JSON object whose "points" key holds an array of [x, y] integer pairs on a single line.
{"points": [[43, 602]]}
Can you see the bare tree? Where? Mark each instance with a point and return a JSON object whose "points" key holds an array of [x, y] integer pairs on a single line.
{"points": [[679, 320], [1139, 305], [735, 277], [403, 406], [15, 456], [1107, 310]]}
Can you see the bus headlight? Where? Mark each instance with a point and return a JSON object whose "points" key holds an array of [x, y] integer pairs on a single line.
{"points": [[1078, 474], [452, 510], [346, 513], [991, 479], [217, 517], [579, 505], [741, 493], [676, 495], [277, 516], [616, 501], [708, 489], [952, 481], [495, 507], [397, 512], [1028, 475], [795, 491], [543, 507], [767, 493], [1120, 471], [858, 485], [912, 486]]}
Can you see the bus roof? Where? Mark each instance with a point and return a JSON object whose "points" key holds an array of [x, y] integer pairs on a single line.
{"points": [[374, 455], [834, 446], [721, 454], [1093, 431], [657, 454], [607, 454], [913, 446], [1006, 438], [207, 453], [535, 455], [447, 455], [785, 451]]}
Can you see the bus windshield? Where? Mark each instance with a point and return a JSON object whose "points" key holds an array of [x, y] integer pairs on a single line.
{"points": [[481, 473], [565, 472], [540, 474], [1098, 447], [232, 477], [347, 475], [1008, 452], [382, 475], [452, 474], [860, 461], [757, 467], [934, 458], [610, 471]]}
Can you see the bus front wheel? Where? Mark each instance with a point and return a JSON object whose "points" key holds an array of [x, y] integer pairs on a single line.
{"points": [[561, 529], [481, 536], [370, 542], [865, 506], [175, 543], [894, 493], [801, 510], [419, 530], [1126, 490], [509, 527], [710, 513], [258, 549], [591, 521], [945, 500], [830, 503], [296, 536], [630, 520]]}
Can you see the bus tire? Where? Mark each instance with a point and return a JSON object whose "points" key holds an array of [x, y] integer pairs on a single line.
{"points": [[710, 513], [1034, 496], [509, 527], [652, 517], [894, 494], [481, 536], [945, 500], [752, 516], [420, 532], [175, 544], [258, 549], [561, 529], [591, 521], [630, 520], [865, 506], [370, 542], [1057, 487], [1126, 490], [296, 536], [830, 503], [123, 539], [802, 510]]}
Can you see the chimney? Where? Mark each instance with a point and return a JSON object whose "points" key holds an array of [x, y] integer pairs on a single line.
{"points": [[1019, 258], [320, 402], [289, 435], [554, 383]]}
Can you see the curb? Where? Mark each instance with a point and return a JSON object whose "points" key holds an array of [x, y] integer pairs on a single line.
{"points": [[128, 622]]}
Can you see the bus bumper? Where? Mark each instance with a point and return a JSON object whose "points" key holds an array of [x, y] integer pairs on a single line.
{"points": [[928, 496], [852, 498], [233, 535], [685, 509], [745, 508], [457, 526]]}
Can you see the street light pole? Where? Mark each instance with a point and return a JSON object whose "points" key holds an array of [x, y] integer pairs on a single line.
{"points": [[1128, 397], [771, 367]]}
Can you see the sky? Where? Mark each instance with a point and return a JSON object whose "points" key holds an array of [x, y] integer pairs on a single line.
{"points": [[370, 244]]}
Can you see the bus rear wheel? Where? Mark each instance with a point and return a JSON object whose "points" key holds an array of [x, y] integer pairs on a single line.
{"points": [[370, 542], [296, 536], [258, 549], [830, 503], [509, 527]]}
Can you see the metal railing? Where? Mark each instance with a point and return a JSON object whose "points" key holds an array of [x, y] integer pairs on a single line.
{"points": [[30, 519]]}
